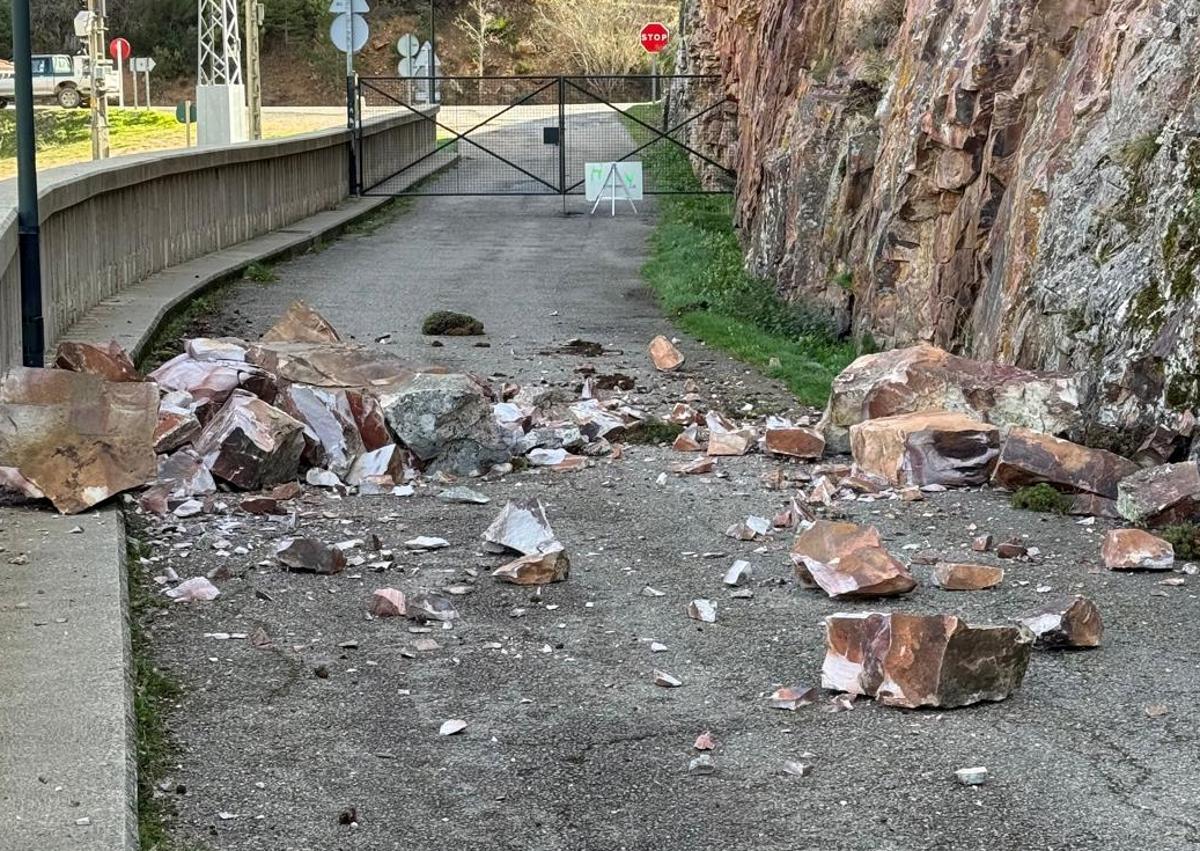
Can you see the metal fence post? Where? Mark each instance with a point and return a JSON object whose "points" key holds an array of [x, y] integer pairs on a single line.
{"points": [[562, 140], [353, 123], [33, 327]]}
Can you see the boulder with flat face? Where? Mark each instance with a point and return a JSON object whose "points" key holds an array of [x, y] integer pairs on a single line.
{"points": [[446, 421], [664, 354], [1135, 549], [967, 577], [301, 324], [208, 382], [1160, 495], [1030, 458], [917, 661], [75, 437], [926, 448], [848, 561], [924, 378], [251, 444], [346, 365], [794, 442], [1070, 623], [825, 541], [108, 361], [331, 435]]}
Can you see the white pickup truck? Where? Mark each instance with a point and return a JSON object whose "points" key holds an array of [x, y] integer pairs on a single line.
{"points": [[64, 79]]}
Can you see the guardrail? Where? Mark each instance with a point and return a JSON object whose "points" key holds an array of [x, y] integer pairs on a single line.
{"points": [[109, 224]]}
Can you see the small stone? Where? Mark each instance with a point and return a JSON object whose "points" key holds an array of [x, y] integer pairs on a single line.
{"points": [[972, 776], [967, 577], [1011, 549], [738, 574], [702, 610], [464, 496], [387, 603], [425, 542], [797, 769], [702, 765], [310, 556], [705, 742], [792, 698], [1074, 623], [982, 544], [664, 354], [452, 727], [196, 589], [1134, 549], [536, 569], [665, 680]]}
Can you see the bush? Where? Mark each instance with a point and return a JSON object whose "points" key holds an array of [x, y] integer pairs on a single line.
{"points": [[447, 323], [1042, 498], [1185, 538]]}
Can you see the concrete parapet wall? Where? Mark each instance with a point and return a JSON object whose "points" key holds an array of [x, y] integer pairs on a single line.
{"points": [[108, 225]]}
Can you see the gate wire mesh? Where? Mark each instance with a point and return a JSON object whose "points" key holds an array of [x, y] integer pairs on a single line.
{"points": [[533, 135]]}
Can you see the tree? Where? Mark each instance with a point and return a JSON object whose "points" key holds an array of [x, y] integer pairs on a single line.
{"points": [[481, 26], [600, 36]]}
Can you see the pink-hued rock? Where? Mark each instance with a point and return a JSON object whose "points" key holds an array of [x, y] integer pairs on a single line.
{"points": [[331, 436], [387, 603], [923, 660], [825, 541], [926, 448], [301, 324], [251, 444], [109, 361], [309, 555], [536, 569], [664, 354], [208, 382], [1030, 458], [847, 561], [1134, 549], [926, 378], [967, 577], [795, 442], [1073, 623], [195, 590], [75, 437], [12, 481], [346, 365]]}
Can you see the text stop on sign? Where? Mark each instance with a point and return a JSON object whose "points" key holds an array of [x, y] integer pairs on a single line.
{"points": [[655, 37]]}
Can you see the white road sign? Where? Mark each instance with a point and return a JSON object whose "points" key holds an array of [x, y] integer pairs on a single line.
{"points": [[339, 32], [341, 7], [614, 181], [142, 64], [408, 45], [404, 68]]}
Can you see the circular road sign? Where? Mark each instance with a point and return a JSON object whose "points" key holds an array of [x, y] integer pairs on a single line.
{"points": [[408, 45], [339, 32], [655, 37], [119, 48]]}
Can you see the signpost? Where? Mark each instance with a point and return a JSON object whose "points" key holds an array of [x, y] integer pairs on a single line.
{"points": [[142, 65], [655, 37], [612, 180], [120, 50], [349, 32]]}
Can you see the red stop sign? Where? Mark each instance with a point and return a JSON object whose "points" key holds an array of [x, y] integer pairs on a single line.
{"points": [[655, 37], [119, 47]]}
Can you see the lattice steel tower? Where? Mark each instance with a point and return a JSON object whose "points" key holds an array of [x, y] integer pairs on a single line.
{"points": [[220, 95]]}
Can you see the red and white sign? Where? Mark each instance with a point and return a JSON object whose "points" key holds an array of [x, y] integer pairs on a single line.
{"points": [[119, 48], [655, 37]]}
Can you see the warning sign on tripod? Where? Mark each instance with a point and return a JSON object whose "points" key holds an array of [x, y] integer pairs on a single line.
{"points": [[613, 182]]}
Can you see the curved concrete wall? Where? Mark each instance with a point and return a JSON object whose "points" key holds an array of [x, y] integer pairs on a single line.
{"points": [[110, 224]]}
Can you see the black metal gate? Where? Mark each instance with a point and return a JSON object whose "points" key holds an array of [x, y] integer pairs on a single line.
{"points": [[534, 135]]}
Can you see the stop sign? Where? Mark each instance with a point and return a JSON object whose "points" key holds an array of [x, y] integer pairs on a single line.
{"points": [[119, 48], [655, 37]]}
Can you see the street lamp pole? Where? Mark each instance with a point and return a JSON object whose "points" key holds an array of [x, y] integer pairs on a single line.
{"points": [[33, 332]]}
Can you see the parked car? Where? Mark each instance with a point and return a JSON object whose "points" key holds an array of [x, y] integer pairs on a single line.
{"points": [[63, 79]]}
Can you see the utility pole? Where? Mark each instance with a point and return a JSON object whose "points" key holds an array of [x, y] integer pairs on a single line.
{"points": [[33, 332], [254, 19], [96, 68]]}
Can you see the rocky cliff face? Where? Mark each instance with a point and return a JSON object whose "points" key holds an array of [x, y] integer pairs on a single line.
{"points": [[1016, 180]]}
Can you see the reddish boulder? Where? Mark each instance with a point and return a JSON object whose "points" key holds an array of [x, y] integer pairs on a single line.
{"points": [[75, 437], [251, 444], [347, 365], [928, 448], [301, 324], [847, 561], [795, 442], [1030, 458], [923, 377], [109, 361], [826, 541], [1134, 549], [1074, 623], [1160, 495], [967, 577], [923, 660]]}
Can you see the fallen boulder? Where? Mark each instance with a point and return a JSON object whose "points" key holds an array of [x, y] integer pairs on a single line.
{"points": [[1030, 458], [331, 435], [1134, 549], [522, 527], [923, 660], [209, 383], [967, 577], [865, 572], [926, 448], [924, 377], [75, 437], [387, 603], [109, 361], [1072, 623], [251, 444], [347, 365], [794, 442], [308, 555], [664, 354], [301, 324], [446, 421], [826, 541], [1160, 495], [540, 568]]}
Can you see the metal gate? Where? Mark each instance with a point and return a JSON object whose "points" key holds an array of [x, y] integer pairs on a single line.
{"points": [[533, 135]]}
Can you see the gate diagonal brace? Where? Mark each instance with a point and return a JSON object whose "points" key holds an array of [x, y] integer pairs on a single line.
{"points": [[463, 136]]}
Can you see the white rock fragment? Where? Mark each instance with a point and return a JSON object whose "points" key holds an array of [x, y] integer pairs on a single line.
{"points": [[972, 776]]}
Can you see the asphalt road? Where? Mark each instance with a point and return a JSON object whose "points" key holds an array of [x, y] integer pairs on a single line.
{"points": [[569, 744]]}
